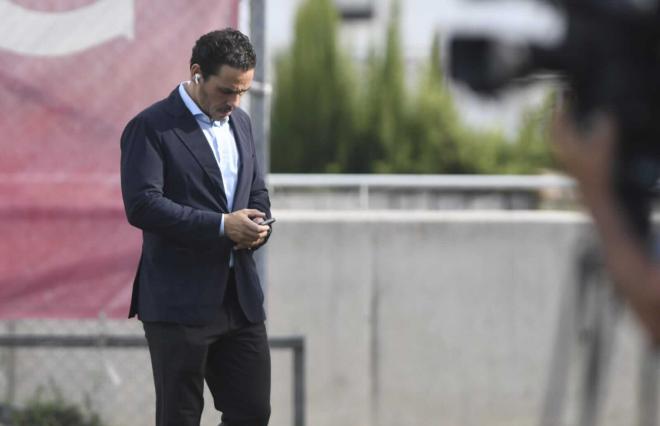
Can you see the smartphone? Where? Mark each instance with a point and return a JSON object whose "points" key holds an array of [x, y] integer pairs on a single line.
{"points": [[268, 221]]}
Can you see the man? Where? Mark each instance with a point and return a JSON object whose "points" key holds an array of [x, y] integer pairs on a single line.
{"points": [[588, 155], [191, 182]]}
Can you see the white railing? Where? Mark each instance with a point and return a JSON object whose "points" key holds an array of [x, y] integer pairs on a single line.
{"points": [[366, 184], [448, 182]]}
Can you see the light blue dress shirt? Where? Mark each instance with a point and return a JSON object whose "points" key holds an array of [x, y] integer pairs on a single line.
{"points": [[221, 139]]}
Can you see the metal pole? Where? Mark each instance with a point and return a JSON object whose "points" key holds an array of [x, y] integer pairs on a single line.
{"points": [[299, 384], [588, 316], [648, 386], [259, 108], [11, 366], [259, 94]]}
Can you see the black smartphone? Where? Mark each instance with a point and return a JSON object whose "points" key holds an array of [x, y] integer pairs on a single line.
{"points": [[268, 221]]}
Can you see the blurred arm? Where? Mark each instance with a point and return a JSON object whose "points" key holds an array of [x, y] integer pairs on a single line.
{"points": [[588, 156]]}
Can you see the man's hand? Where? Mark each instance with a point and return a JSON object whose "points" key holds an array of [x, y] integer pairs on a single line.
{"points": [[241, 227], [261, 241]]}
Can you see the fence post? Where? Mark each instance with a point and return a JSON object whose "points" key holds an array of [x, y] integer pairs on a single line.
{"points": [[299, 384]]}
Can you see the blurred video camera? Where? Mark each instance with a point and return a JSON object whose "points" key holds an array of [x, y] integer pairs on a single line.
{"points": [[607, 54]]}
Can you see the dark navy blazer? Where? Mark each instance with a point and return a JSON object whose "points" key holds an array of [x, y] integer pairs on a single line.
{"points": [[172, 190]]}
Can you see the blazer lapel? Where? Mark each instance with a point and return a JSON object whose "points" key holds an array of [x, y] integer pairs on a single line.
{"points": [[193, 138], [241, 141]]}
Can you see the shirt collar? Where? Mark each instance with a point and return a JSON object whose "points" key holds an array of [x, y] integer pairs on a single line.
{"points": [[194, 108]]}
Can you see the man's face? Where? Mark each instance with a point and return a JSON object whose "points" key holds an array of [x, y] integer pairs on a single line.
{"points": [[218, 94]]}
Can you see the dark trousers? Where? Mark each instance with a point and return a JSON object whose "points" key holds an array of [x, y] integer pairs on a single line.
{"points": [[231, 354]]}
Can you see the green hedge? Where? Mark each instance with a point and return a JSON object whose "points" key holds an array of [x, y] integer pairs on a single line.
{"points": [[330, 114]]}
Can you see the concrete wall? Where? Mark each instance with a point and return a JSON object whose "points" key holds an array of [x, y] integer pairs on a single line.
{"points": [[430, 318], [410, 319]]}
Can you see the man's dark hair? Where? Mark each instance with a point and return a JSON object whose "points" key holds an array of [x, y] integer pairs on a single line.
{"points": [[223, 47]]}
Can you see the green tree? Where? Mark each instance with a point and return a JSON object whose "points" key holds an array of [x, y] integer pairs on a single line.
{"points": [[442, 143], [322, 121], [434, 126], [532, 152], [384, 120], [313, 106], [361, 153]]}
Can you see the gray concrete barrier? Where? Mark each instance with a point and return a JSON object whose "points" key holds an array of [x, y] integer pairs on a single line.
{"points": [[431, 318]]}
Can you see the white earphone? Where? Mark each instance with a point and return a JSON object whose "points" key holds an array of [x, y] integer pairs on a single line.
{"points": [[197, 76]]}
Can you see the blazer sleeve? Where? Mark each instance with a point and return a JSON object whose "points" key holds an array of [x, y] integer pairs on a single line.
{"points": [[142, 176], [259, 198]]}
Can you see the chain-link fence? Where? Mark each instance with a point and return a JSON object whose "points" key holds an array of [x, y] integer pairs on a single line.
{"points": [[102, 367], [114, 383]]}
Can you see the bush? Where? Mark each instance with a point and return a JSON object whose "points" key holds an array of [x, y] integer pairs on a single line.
{"points": [[53, 413]]}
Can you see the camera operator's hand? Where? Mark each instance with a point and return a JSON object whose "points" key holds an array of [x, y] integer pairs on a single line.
{"points": [[586, 153], [241, 228]]}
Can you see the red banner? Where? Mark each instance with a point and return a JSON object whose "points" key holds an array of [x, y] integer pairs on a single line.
{"points": [[72, 73]]}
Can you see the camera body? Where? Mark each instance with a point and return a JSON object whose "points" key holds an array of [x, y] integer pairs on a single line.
{"points": [[608, 60]]}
